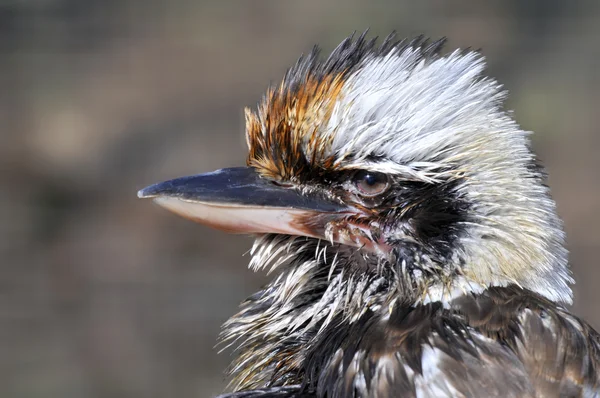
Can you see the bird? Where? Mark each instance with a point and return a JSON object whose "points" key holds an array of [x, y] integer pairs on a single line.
{"points": [[415, 247]]}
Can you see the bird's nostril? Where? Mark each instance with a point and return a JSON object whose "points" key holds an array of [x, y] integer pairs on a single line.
{"points": [[282, 184]]}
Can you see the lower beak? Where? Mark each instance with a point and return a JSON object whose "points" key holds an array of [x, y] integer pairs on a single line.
{"points": [[238, 200]]}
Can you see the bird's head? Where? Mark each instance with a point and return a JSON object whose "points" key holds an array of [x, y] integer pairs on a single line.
{"points": [[391, 161]]}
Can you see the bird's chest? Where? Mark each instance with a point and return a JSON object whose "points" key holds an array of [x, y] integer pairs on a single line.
{"points": [[376, 355], [501, 343]]}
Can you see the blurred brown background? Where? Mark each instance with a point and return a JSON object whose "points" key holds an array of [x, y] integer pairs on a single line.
{"points": [[104, 295]]}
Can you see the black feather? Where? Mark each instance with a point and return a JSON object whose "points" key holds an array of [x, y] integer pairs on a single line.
{"points": [[352, 52], [276, 392]]}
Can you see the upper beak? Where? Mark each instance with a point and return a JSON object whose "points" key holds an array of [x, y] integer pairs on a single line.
{"points": [[239, 200]]}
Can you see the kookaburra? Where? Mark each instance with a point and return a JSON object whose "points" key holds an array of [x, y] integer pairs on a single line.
{"points": [[417, 250]]}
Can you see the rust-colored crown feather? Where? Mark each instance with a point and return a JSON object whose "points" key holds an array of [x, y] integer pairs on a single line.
{"points": [[285, 137]]}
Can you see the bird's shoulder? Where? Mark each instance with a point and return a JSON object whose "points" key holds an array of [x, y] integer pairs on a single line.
{"points": [[295, 391], [503, 342]]}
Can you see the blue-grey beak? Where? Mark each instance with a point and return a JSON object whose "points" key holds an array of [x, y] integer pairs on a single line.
{"points": [[239, 200]]}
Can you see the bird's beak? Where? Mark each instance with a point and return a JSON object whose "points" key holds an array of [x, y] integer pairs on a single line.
{"points": [[238, 200]]}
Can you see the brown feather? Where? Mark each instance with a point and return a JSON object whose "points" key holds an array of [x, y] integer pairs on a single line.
{"points": [[287, 119], [505, 342]]}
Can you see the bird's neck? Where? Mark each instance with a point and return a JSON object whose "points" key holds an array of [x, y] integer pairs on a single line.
{"points": [[318, 285], [275, 326]]}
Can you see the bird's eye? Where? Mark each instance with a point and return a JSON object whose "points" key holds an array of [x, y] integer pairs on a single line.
{"points": [[369, 183]]}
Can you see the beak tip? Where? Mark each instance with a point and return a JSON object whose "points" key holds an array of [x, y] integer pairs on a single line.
{"points": [[165, 188], [148, 192]]}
